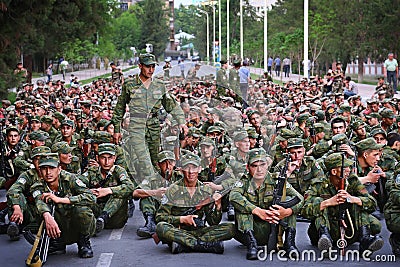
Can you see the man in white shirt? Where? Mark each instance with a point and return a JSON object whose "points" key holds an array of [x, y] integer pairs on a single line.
{"points": [[391, 71]]}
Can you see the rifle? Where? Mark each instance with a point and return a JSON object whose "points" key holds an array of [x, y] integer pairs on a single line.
{"points": [[273, 137], [278, 194], [342, 207], [86, 149], [312, 131], [3, 151], [213, 166]]}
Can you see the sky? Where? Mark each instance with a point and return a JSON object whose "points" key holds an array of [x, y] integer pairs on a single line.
{"points": [[185, 2]]}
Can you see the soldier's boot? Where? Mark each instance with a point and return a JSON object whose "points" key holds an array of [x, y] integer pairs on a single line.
{"points": [[56, 246], [368, 241], [290, 243], [3, 228], [101, 221], [230, 212], [394, 241], [131, 208], [177, 248], [84, 247], [149, 228], [325, 239], [210, 247], [3, 214], [13, 231], [251, 245]]}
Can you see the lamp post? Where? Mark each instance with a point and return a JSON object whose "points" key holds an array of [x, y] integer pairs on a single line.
{"points": [[265, 37], [306, 38], [227, 30], [219, 29], [208, 33], [241, 29]]}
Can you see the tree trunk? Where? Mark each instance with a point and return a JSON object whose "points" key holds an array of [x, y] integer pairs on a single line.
{"points": [[360, 70]]}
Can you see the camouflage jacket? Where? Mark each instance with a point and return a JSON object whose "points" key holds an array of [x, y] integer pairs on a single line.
{"points": [[157, 181], [22, 186]]}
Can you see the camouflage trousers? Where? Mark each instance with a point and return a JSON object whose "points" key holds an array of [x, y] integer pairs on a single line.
{"points": [[169, 233], [262, 229], [149, 205], [29, 211], [393, 221], [117, 209], [74, 222], [358, 218]]}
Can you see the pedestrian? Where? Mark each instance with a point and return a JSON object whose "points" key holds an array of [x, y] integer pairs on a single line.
{"points": [[269, 65], [277, 62], [391, 71], [49, 72], [245, 79], [286, 66]]}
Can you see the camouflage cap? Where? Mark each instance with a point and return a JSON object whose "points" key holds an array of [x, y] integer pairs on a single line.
{"points": [[39, 150], [285, 134], [147, 59], [101, 137], [221, 125], [38, 135], [213, 129], [106, 148], [97, 107], [295, 142], [102, 123], [345, 108], [251, 112], [302, 117], [319, 127], [61, 148], [166, 155], [239, 136], [334, 160], [373, 115], [49, 159], [35, 118], [339, 139], [68, 122], [214, 111], [368, 144], [257, 154], [251, 133], [206, 141], [193, 131], [190, 158], [46, 119], [237, 61], [355, 125], [378, 130], [59, 116], [387, 113]]}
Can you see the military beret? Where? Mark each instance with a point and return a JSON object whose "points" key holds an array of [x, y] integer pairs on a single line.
{"points": [[339, 139], [334, 160], [49, 159], [61, 148], [257, 154], [166, 155], [378, 130], [106, 148], [213, 129], [302, 117], [367, 144], [101, 137], [46, 119], [38, 135], [147, 59], [39, 150], [190, 158], [373, 115], [251, 133], [239, 136], [387, 113], [295, 142], [68, 122], [206, 141], [59, 116], [345, 108]]}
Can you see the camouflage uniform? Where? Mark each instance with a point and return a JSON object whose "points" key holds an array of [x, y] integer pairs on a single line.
{"points": [[23, 161], [222, 82], [392, 214]]}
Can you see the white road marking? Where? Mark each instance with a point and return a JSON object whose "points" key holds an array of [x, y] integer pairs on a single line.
{"points": [[116, 234], [105, 260]]}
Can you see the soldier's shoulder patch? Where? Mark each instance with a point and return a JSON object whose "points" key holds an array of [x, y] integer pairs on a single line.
{"points": [[397, 181], [21, 180], [80, 183], [122, 177], [36, 193], [86, 174], [238, 184], [164, 199], [145, 182]]}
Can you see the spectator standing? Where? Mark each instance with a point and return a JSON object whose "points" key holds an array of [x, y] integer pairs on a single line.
{"points": [[277, 63], [391, 71], [49, 72], [286, 66]]}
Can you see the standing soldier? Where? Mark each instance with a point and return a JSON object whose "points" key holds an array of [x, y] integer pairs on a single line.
{"points": [[116, 74], [167, 68], [145, 96], [222, 78], [234, 79]]}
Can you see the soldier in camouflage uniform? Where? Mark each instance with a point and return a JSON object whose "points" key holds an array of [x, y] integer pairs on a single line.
{"points": [[387, 122], [207, 146], [359, 132], [145, 96], [322, 202], [252, 198], [68, 162], [279, 149], [150, 191], [73, 220], [68, 135], [392, 213], [393, 145], [237, 160], [234, 79], [180, 219], [111, 185], [47, 126], [222, 78], [22, 209]]}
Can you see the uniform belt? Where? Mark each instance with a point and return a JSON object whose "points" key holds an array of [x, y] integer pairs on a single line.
{"points": [[143, 116]]}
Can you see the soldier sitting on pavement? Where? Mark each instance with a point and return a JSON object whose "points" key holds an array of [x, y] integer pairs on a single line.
{"points": [[73, 220], [322, 202], [111, 185], [392, 213], [151, 191], [68, 162], [252, 198], [185, 207]]}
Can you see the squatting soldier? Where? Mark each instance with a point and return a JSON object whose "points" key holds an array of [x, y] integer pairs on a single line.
{"points": [[252, 198], [22, 209], [111, 185], [322, 202], [73, 220], [392, 214], [182, 214], [68, 162], [145, 96], [151, 191]]}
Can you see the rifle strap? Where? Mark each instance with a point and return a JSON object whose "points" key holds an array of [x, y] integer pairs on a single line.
{"points": [[280, 229], [33, 259]]}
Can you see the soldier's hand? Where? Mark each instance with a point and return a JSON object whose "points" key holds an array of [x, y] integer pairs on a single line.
{"points": [[188, 220], [342, 196], [92, 163], [51, 226], [160, 191], [270, 216], [17, 215], [117, 137], [373, 176], [213, 186], [101, 192], [50, 196], [292, 166], [183, 128], [283, 212], [346, 148], [217, 200]]}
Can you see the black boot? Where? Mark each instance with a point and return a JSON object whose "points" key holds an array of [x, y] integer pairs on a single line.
{"points": [[230, 212], [290, 243], [3, 214], [251, 245], [149, 228], [56, 246], [101, 221], [325, 239], [84, 247], [177, 248], [13, 231], [210, 247], [368, 241], [394, 241], [131, 208]]}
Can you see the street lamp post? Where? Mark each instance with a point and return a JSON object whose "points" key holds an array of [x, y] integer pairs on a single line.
{"points": [[241, 29], [265, 37], [208, 33], [227, 30], [306, 38]]}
